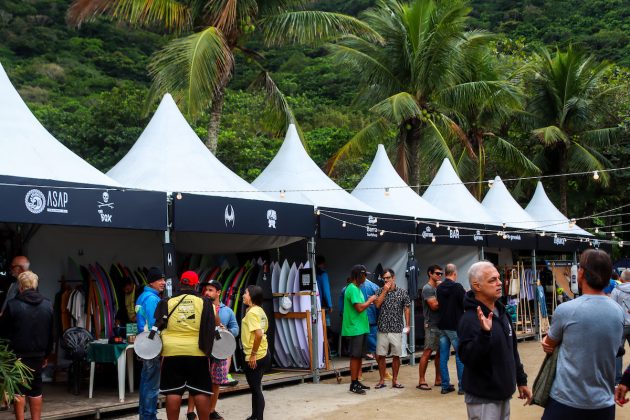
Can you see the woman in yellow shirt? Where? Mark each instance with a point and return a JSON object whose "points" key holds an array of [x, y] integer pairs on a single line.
{"points": [[254, 340]]}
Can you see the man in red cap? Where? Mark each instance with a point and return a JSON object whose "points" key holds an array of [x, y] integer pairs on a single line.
{"points": [[187, 322]]}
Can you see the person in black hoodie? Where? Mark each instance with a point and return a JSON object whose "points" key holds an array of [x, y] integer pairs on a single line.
{"points": [[27, 322], [487, 347]]}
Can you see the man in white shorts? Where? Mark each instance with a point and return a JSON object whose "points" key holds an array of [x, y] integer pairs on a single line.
{"points": [[393, 302]]}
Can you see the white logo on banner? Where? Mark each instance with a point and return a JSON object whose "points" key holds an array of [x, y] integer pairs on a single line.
{"points": [[559, 241], [371, 229], [478, 236], [272, 216], [57, 202], [104, 208], [453, 233], [230, 217], [35, 201], [427, 233]]}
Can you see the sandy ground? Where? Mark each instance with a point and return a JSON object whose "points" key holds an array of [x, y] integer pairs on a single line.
{"points": [[329, 400]]}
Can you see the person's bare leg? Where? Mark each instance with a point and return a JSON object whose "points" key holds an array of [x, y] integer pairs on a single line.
{"points": [[395, 368], [355, 368], [35, 405], [214, 397], [18, 405], [381, 368], [438, 374], [173, 404], [422, 368], [202, 403], [191, 405]]}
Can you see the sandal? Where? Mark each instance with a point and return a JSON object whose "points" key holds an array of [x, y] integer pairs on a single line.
{"points": [[424, 387], [380, 386], [398, 386]]}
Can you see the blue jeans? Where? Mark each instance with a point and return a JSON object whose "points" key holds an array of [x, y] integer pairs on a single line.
{"points": [[371, 339], [149, 389], [448, 338]]}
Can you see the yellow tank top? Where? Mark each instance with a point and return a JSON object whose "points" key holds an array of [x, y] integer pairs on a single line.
{"points": [[181, 336]]}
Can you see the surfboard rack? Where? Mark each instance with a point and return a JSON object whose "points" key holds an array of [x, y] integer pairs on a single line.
{"points": [[307, 315]]}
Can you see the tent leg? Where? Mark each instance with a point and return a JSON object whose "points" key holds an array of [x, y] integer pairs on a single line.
{"points": [[481, 254], [310, 253], [412, 327], [170, 269], [536, 318]]}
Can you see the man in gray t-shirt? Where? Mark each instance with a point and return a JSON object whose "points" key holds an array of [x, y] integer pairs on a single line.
{"points": [[588, 332], [431, 331]]}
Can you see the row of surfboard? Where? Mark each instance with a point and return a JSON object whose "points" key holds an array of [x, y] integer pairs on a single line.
{"points": [[291, 348]]}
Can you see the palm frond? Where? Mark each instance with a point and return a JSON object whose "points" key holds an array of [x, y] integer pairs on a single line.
{"points": [[583, 158], [600, 137], [397, 108], [312, 27], [193, 68], [509, 155], [374, 131], [550, 135]]}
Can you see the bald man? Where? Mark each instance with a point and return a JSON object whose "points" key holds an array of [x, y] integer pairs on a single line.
{"points": [[19, 265]]}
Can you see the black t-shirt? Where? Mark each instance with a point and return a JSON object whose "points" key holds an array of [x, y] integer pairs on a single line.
{"points": [[450, 296]]}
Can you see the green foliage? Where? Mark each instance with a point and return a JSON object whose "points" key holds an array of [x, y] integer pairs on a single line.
{"points": [[12, 371]]}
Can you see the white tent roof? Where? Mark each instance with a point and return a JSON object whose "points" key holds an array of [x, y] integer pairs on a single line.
{"points": [[293, 169], [449, 194], [547, 217], [169, 156], [399, 199], [29, 151], [500, 204]]}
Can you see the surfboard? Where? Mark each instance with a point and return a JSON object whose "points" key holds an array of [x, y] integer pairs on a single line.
{"points": [[301, 323], [283, 359], [320, 327], [229, 276], [295, 348], [290, 336]]}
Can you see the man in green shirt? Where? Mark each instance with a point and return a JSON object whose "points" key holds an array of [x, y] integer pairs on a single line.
{"points": [[355, 324]]}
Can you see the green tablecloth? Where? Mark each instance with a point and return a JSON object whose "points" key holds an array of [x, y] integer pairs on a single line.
{"points": [[105, 353]]}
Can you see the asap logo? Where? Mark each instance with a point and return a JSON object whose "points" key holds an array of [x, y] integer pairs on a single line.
{"points": [[52, 201]]}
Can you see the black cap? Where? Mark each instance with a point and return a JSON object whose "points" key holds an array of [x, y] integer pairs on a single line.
{"points": [[358, 269], [216, 283], [154, 274]]}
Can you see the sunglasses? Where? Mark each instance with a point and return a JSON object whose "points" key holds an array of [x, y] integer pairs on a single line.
{"points": [[438, 273]]}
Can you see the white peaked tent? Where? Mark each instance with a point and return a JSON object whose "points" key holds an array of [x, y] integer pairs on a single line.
{"points": [[169, 156], [500, 204], [30, 151], [449, 194], [293, 169], [399, 198], [547, 217]]}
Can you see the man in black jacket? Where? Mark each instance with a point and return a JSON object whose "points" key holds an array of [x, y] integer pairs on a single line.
{"points": [[487, 347], [27, 322]]}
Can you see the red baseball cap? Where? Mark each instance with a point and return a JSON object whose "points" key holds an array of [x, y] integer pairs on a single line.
{"points": [[190, 278]]}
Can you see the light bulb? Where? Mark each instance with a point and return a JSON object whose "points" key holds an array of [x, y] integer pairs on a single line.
{"points": [[437, 224], [596, 230], [375, 220], [503, 225], [595, 175], [343, 224], [490, 183], [612, 234], [318, 212], [282, 194], [386, 191], [179, 196], [499, 233], [382, 232], [620, 244], [542, 233], [433, 239], [555, 235]]}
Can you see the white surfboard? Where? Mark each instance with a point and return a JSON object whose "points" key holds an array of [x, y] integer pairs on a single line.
{"points": [[293, 326], [280, 352], [301, 323], [285, 337]]}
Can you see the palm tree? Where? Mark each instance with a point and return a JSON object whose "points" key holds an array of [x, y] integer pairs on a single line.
{"points": [[567, 103], [197, 65], [418, 79], [480, 122]]}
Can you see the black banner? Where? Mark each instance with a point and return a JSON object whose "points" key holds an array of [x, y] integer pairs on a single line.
{"points": [[362, 226], [200, 213], [559, 242], [451, 233], [511, 238], [27, 200]]}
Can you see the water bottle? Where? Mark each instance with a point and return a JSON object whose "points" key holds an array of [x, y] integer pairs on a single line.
{"points": [[574, 281]]}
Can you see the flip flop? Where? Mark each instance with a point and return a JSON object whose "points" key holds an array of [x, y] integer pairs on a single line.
{"points": [[398, 386], [380, 386], [424, 387]]}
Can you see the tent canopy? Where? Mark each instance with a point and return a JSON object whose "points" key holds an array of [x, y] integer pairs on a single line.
{"points": [[448, 193], [500, 204], [399, 198], [293, 169], [547, 217]]}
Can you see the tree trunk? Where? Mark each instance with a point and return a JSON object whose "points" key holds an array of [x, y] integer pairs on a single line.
{"points": [[413, 141], [562, 188], [216, 110]]}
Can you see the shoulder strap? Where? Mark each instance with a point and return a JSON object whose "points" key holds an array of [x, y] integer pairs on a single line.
{"points": [[175, 307]]}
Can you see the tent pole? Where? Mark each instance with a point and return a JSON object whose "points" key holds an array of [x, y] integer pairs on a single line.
{"points": [[481, 254], [412, 327], [310, 253], [170, 269], [535, 317]]}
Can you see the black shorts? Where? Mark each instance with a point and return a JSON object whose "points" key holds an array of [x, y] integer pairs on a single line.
{"points": [[34, 363], [357, 345], [181, 373]]}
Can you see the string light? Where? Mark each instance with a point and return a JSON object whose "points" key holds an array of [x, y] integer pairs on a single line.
{"points": [[620, 244], [433, 239], [282, 194], [503, 225], [612, 234], [387, 192], [596, 230], [343, 224], [437, 224], [490, 183], [179, 196], [595, 175], [318, 212], [382, 232], [542, 233]]}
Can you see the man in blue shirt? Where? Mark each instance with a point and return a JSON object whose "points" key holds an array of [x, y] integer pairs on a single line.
{"points": [[150, 377], [368, 289]]}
